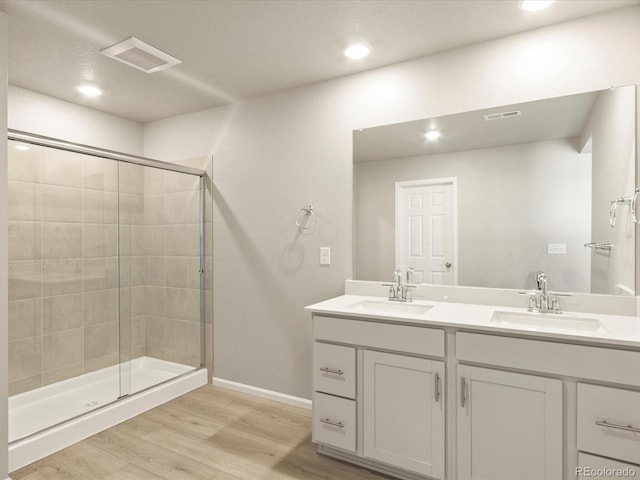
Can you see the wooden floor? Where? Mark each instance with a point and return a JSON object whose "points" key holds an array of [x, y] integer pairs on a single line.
{"points": [[210, 433]]}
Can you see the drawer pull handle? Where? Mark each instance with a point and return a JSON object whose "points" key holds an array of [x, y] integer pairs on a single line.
{"points": [[463, 391], [333, 423], [629, 428], [437, 386], [332, 370]]}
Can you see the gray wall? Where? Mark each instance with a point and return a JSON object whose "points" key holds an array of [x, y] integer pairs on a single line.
{"points": [[4, 258], [613, 142], [43, 115], [512, 202], [275, 154]]}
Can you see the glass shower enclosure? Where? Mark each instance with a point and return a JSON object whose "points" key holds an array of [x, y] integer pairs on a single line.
{"points": [[106, 273]]}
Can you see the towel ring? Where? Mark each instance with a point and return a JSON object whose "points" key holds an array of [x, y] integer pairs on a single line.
{"points": [[632, 201], [300, 219]]}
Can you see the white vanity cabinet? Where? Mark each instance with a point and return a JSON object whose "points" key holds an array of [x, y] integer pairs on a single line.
{"points": [[509, 425], [450, 399], [379, 395]]}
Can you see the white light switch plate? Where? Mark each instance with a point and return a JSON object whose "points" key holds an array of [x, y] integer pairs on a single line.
{"points": [[325, 255], [557, 248]]}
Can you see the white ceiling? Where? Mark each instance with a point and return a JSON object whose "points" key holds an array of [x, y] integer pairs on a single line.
{"points": [[549, 119], [238, 49]]}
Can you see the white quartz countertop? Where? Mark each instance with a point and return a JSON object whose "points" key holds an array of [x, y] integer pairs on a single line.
{"points": [[612, 330]]}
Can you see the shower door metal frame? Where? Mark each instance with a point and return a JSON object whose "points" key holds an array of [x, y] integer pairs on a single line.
{"points": [[41, 140], [44, 141]]}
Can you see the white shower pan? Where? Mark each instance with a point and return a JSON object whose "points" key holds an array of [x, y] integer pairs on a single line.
{"points": [[90, 401]]}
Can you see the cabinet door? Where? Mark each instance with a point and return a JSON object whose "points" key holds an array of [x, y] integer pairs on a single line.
{"points": [[404, 412], [509, 425]]}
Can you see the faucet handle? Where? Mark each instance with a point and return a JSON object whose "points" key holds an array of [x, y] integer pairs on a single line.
{"points": [[397, 275], [410, 275], [392, 290]]}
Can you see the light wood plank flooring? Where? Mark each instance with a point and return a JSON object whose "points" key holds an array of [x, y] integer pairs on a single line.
{"points": [[210, 433]]}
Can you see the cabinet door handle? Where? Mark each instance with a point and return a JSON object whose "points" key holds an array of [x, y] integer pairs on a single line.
{"points": [[333, 423], [629, 428], [332, 370], [463, 391], [437, 386]]}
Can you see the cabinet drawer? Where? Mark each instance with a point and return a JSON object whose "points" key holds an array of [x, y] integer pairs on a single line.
{"points": [[334, 421], [579, 361], [384, 336], [620, 409], [334, 369], [592, 466]]}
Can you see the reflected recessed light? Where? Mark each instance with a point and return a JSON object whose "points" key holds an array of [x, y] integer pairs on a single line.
{"points": [[90, 90], [535, 5], [432, 135], [22, 148], [357, 51]]}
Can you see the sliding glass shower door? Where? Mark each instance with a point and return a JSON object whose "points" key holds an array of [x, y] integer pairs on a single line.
{"points": [[104, 278], [63, 302], [160, 275]]}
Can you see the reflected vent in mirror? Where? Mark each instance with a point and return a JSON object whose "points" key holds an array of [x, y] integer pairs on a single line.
{"points": [[498, 116]]}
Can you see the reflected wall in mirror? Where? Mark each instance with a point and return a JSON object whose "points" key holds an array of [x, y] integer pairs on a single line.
{"points": [[501, 194]]}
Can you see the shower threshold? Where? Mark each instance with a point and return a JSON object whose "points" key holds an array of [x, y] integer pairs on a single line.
{"points": [[49, 418]]}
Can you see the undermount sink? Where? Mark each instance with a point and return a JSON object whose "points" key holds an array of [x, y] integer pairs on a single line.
{"points": [[548, 322], [386, 307]]}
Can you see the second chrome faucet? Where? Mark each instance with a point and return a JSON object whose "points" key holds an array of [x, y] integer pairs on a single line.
{"points": [[399, 292]]}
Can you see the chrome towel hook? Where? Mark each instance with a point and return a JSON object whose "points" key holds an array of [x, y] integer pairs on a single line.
{"points": [[307, 220]]}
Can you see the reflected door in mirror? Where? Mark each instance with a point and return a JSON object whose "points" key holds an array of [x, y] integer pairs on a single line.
{"points": [[425, 221]]}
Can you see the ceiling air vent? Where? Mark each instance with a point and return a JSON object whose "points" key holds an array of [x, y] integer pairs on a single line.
{"points": [[140, 55], [498, 116]]}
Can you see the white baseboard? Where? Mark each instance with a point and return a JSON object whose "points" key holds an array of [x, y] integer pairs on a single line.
{"points": [[261, 392]]}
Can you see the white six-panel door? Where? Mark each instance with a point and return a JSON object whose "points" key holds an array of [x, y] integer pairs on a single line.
{"points": [[425, 230]]}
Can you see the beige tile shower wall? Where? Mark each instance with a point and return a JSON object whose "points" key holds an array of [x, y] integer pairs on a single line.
{"points": [[171, 267], [63, 265]]}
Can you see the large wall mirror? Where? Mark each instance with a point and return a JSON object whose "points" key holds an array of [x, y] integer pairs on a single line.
{"points": [[488, 198]]}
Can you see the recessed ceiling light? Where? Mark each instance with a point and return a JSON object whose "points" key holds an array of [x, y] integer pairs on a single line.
{"points": [[22, 148], [432, 135], [357, 51], [535, 5], [90, 90]]}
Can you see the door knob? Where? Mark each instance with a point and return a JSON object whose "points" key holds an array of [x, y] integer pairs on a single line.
{"points": [[448, 265]]}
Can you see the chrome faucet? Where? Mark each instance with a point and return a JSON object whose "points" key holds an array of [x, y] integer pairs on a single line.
{"points": [[399, 292], [541, 281], [544, 303]]}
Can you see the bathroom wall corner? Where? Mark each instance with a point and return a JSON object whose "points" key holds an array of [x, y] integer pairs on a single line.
{"points": [[4, 40]]}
